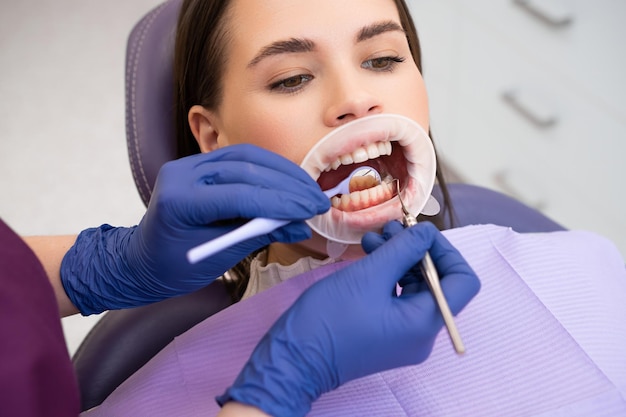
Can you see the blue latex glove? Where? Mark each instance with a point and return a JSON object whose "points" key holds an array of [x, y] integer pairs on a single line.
{"points": [[195, 199], [350, 324]]}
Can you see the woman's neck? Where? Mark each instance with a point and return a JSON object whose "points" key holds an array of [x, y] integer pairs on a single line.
{"points": [[287, 254]]}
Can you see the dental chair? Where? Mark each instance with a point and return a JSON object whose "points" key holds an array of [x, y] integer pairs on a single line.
{"points": [[122, 341]]}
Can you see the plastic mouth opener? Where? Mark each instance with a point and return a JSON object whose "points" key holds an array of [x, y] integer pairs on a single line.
{"points": [[429, 271]]}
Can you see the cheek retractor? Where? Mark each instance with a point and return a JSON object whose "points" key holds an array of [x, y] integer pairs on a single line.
{"points": [[262, 225], [412, 149]]}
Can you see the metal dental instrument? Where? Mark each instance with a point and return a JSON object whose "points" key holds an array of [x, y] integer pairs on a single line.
{"points": [[429, 271], [262, 225]]}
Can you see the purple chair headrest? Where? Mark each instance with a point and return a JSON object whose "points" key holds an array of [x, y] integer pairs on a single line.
{"points": [[149, 95]]}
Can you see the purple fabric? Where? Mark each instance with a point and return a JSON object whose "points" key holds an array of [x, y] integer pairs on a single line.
{"points": [[104, 360], [36, 375], [536, 338]]}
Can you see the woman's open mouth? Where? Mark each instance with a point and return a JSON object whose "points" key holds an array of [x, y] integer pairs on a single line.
{"points": [[365, 191], [398, 148]]}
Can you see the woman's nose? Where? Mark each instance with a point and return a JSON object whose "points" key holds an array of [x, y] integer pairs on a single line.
{"points": [[350, 100]]}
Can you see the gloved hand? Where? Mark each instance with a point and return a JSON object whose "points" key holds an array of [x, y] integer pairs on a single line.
{"points": [[351, 324], [195, 199]]}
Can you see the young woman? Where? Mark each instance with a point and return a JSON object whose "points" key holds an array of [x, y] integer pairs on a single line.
{"points": [[280, 85], [543, 337]]}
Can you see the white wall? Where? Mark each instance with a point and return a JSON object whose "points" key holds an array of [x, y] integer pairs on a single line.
{"points": [[528, 98], [63, 161]]}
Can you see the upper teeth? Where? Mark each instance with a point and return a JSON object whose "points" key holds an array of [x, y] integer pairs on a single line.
{"points": [[362, 154]]}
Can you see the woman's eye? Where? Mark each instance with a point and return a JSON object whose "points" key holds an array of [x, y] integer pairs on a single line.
{"points": [[386, 63], [291, 84]]}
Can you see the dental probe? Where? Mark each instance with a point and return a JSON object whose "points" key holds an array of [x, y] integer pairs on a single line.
{"points": [[263, 225], [429, 271]]}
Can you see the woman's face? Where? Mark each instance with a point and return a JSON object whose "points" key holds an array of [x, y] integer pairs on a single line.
{"points": [[297, 69]]}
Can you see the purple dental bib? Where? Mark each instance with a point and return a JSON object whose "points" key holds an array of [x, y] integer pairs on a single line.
{"points": [[544, 338]]}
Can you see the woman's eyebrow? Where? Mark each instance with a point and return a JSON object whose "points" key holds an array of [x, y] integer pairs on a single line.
{"points": [[293, 45], [296, 45], [378, 28]]}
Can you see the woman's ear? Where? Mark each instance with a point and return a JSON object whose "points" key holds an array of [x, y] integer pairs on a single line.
{"points": [[202, 124]]}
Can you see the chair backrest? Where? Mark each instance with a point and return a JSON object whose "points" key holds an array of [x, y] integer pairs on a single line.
{"points": [[479, 205], [149, 95]]}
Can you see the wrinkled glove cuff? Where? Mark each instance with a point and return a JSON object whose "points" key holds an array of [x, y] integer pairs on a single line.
{"points": [[94, 275]]}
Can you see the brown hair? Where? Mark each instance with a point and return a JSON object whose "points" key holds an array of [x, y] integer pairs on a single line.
{"points": [[199, 62]]}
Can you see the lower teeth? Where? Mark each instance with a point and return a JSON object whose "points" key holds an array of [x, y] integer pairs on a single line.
{"points": [[359, 200]]}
